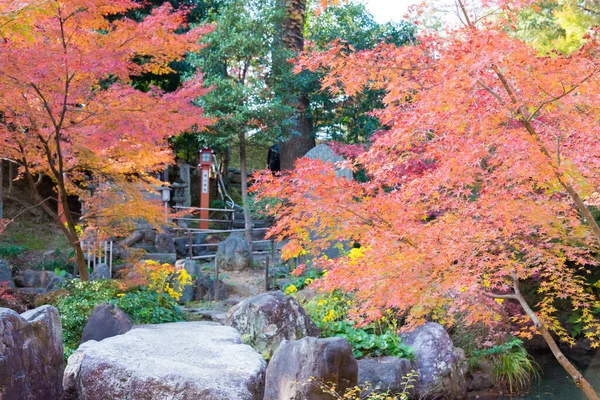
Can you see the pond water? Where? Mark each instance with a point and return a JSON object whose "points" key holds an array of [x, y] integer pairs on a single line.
{"points": [[556, 384]]}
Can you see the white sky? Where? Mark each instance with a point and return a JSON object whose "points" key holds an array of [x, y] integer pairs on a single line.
{"points": [[388, 10]]}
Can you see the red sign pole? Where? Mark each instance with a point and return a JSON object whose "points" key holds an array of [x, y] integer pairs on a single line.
{"points": [[205, 161]]}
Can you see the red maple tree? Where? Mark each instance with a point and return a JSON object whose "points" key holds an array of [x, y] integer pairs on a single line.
{"points": [[478, 184], [68, 111]]}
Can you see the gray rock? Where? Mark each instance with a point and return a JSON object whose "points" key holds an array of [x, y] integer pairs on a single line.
{"points": [[179, 361], [54, 284], [106, 321], [306, 295], [268, 319], [181, 244], [49, 253], [164, 243], [191, 267], [383, 374], [481, 378], [101, 271], [233, 254], [325, 153], [208, 314], [204, 289], [187, 295], [31, 354], [5, 273], [440, 365], [300, 366], [34, 279]]}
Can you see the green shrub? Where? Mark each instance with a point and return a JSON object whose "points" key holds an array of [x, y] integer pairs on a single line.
{"points": [[11, 250], [259, 208], [54, 264], [514, 368], [79, 298], [300, 282], [144, 307], [77, 304], [330, 314]]}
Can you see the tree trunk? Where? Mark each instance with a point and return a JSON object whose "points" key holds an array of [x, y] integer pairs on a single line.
{"points": [[10, 176], [301, 138], [80, 259], [578, 378], [1, 188], [70, 231], [244, 179], [580, 381]]}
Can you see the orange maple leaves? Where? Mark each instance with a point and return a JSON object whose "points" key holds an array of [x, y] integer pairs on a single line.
{"points": [[471, 183], [67, 107]]}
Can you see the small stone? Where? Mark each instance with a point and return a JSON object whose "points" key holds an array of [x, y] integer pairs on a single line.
{"points": [[441, 366], [101, 271], [164, 243], [233, 254], [383, 374], [106, 321]]}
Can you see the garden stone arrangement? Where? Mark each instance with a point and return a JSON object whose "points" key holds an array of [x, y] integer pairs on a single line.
{"points": [[206, 360]]}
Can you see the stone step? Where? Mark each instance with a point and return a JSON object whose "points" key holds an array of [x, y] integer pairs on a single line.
{"points": [[219, 316], [147, 247]]}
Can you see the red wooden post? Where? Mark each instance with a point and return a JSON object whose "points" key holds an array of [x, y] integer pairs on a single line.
{"points": [[204, 163]]}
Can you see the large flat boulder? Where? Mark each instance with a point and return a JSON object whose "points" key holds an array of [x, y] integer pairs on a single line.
{"points": [[176, 361], [31, 354]]}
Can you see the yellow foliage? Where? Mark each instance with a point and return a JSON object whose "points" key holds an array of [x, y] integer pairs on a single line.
{"points": [[164, 279], [290, 290]]}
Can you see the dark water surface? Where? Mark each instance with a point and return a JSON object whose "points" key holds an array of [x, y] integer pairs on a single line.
{"points": [[556, 384]]}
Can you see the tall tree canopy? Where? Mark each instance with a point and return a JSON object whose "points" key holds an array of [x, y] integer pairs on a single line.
{"points": [[338, 116], [557, 25], [478, 185], [68, 110], [237, 63]]}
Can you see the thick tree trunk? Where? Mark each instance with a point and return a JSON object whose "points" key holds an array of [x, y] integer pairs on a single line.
{"points": [[244, 179], [301, 140], [301, 137]]}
